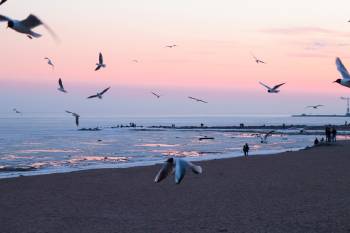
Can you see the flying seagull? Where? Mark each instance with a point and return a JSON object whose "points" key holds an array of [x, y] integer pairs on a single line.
{"points": [[170, 46], [198, 100], [16, 111], [25, 26], [99, 95], [49, 62], [2, 2], [100, 63], [258, 60], [61, 88], [315, 106], [76, 117], [263, 137], [156, 95], [345, 81], [274, 89], [177, 166]]}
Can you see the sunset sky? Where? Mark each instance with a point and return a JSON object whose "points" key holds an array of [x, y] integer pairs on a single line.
{"points": [[299, 40]]}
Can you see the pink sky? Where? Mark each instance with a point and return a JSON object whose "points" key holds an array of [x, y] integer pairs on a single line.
{"points": [[212, 60]]}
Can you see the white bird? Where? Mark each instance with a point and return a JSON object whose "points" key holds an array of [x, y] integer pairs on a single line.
{"points": [[156, 95], [273, 89], [2, 2], [345, 81], [170, 46], [76, 117], [177, 166], [25, 26], [198, 100], [16, 111], [264, 137], [49, 62], [100, 63], [258, 60], [61, 88], [315, 106], [99, 94]]}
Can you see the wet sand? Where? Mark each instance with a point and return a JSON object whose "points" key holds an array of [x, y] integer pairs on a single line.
{"points": [[305, 191]]}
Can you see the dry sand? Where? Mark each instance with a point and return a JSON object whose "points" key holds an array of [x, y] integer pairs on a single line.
{"points": [[306, 191]]}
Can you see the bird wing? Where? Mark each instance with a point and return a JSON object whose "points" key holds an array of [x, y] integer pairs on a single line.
{"points": [[69, 112], [268, 134], [203, 101], [277, 86], [341, 68], [155, 94], [93, 96], [4, 18], [2, 2], [195, 169], [166, 170], [77, 120], [98, 67], [60, 83], [100, 58], [31, 21], [265, 85], [320, 105], [105, 90]]}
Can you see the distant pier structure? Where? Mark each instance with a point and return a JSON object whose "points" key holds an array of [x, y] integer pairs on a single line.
{"points": [[347, 114]]}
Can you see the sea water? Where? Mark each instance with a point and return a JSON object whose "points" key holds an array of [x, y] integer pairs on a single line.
{"points": [[42, 145]]}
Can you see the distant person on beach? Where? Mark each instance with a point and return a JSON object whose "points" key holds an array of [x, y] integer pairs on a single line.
{"points": [[246, 149], [316, 142], [328, 134], [334, 134]]}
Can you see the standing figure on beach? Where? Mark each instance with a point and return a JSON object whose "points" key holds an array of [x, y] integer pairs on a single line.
{"points": [[328, 134], [246, 150], [334, 134]]}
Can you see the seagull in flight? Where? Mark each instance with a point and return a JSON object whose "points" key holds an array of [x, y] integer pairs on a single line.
{"points": [[315, 106], [76, 117], [198, 100], [258, 60], [25, 26], [156, 95], [61, 88], [264, 137], [170, 46], [345, 81], [99, 94], [177, 166], [16, 111], [100, 63], [2, 2], [273, 89], [49, 62]]}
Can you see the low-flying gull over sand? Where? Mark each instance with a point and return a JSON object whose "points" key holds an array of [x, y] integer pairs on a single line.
{"points": [[315, 106], [198, 100], [273, 89], [49, 62], [100, 63], [345, 80], [61, 88], [99, 94], [25, 26], [263, 137], [2, 2], [76, 117], [156, 95], [258, 60], [177, 166]]}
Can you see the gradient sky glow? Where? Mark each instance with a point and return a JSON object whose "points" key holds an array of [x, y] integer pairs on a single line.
{"points": [[298, 39]]}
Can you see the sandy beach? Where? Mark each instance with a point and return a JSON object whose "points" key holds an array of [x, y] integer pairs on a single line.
{"points": [[305, 191]]}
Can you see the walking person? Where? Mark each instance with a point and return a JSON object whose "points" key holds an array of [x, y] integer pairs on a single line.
{"points": [[334, 134], [246, 149], [328, 134]]}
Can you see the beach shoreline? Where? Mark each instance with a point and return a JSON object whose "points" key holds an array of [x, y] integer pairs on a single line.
{"points": [[303, 191]]}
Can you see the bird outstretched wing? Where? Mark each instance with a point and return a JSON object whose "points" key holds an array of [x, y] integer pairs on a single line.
{"points": [[60, 83], [98, 67], [105, 90], [31, 21], [166, 170], [92, 96], [2, 2], [4, 18], [278, 86], [341, 68], [77, 120], [265, 85], [100, 58]]}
